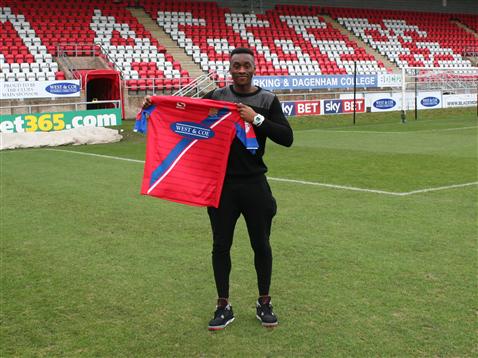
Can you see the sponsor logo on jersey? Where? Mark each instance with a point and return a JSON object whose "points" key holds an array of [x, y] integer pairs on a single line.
{"points": [[192, 130]]}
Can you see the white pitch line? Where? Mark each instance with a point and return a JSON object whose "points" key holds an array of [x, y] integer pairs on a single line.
{"points": [[447, 129], [303, 182], [366, 132], [441, 188], [335, 186], [97, 155], [374, 190]]}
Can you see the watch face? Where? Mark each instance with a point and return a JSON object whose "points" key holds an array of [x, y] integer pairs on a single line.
{"points": [[258, 119]]}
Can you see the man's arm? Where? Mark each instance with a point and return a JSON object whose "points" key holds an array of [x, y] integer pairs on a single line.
{"points": [[208, 95], [146, 102], [275, 126]]}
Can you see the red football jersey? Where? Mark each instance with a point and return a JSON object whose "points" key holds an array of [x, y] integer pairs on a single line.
{"points": [[187, 148]]}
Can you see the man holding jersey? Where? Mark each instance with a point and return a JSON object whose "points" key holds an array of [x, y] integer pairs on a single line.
{"points": [[246, 190]]}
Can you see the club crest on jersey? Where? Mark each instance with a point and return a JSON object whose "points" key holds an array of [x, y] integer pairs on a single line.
{"points": [[192, 130], [213, 111]]}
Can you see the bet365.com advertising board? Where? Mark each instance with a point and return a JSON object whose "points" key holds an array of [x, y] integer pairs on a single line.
{"points": [[58, 121]]}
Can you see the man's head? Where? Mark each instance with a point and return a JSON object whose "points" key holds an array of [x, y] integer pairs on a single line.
{"points": [[242, 66]]}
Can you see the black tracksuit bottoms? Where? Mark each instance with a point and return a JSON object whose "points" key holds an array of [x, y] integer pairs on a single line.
{"points": [[251, 197]]}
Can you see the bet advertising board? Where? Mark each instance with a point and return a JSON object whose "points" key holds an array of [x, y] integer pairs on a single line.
{"points": [[57, 121], [321, 107]]}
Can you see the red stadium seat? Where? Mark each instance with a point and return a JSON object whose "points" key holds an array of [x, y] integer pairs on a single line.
{"points": [[60, 75]]}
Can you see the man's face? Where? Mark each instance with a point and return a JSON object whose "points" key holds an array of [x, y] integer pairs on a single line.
{"points": [[242, 69]]}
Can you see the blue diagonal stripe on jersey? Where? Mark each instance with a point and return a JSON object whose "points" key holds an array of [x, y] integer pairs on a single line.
{"points": [[182, 144], [141, 124], [251, 144]]}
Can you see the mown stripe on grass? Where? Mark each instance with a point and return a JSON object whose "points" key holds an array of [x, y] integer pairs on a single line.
{"points": [[397, 132], [303, 182]]}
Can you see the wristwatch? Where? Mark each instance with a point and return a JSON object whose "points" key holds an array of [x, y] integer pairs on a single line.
{"points": [[258, 119]]}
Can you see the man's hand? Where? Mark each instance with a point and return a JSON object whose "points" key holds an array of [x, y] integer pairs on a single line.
{"points": [[146, 102], [246, 112]]}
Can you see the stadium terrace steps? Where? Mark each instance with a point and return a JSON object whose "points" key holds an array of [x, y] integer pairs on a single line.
{"points": [[470, 57], [170, 46], [388, 64], [80, 63], [470, 21], [63, 66], [88, 63], [465, 27]]}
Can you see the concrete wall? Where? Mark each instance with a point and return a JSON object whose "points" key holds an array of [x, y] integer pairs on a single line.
{"points": [[131, 105]]}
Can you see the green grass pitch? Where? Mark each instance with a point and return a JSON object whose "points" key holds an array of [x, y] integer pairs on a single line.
{"points": [[375, 249]]}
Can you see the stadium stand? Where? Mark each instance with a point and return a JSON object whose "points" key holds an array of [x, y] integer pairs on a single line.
{"points": [[409, 39], [34, 31], [298, 40], [23, 52], [287, 40]]}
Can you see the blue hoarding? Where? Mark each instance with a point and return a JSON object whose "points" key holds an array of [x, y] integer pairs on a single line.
{"points": [[314, 82], [333, 106]]}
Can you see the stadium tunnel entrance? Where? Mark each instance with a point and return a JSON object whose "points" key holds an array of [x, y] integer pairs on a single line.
{"points": [[102, 85]]}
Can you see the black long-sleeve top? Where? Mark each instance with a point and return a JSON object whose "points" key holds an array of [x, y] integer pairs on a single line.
{"points": [[241, 162]]}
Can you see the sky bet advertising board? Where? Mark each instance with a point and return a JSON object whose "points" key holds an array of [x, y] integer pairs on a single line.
{"points": [[337, 106], [319, 107], [301, 108]]}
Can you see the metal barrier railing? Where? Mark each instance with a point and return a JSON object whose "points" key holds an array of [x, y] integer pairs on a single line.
{"points": [[65, 50], [198, 85], [470, 51], [78, 49], [158, 85]]}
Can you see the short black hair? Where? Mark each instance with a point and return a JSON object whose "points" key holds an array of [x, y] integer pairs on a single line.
{"points": [[239, 50]]}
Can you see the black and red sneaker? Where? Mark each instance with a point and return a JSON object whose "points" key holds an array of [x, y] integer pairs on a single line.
{"points": [[264, 312], [222, 316]]}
